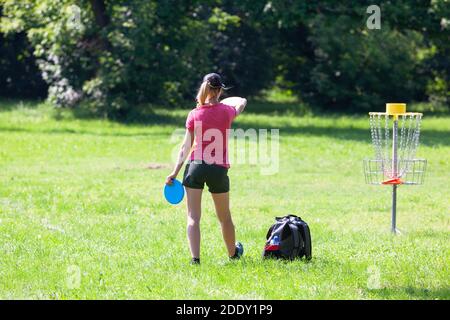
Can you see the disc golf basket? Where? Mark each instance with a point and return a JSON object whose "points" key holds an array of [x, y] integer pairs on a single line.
{"points": [[395, 139]]}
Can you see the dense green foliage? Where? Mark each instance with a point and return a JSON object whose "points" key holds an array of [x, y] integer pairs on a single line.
{"points": [[329, 57], [115, 55]]}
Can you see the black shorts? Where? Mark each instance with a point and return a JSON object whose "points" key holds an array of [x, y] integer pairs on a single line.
{"points": [[197, 173]]}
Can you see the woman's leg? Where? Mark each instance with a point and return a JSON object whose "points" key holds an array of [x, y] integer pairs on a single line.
{"points": [[222, 204], [194, 208]]}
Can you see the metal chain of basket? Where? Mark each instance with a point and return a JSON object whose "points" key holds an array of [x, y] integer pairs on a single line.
{"points": [[409, 128]]}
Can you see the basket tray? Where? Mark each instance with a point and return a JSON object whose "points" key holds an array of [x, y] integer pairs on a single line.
{"points": [[410, 172]]}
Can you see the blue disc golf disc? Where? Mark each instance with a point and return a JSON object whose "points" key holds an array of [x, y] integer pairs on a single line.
{"points": [[174, 193]]}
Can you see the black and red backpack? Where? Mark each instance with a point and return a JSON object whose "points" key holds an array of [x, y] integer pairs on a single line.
{"points": [[288, 238]]}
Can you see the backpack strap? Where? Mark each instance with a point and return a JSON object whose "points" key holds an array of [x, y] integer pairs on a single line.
{"points": [[295, 234], [307, 240], [269, 233]]}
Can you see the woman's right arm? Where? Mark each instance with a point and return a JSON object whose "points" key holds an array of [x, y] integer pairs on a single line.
{"points": [[240, 106], [236, 102]]}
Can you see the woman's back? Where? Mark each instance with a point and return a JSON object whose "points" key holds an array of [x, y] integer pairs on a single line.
{"points": [[210, 124]]}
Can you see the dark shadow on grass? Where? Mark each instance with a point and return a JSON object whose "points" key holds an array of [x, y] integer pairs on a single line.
{"points": [[278, 108], [428, 137], [148, 116], [83, 132], [9, 104], [144, 116]]}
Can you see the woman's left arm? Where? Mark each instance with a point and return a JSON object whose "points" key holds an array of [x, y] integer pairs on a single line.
{"points": [[182, 155]]}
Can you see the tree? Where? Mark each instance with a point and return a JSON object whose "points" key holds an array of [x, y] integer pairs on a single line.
{"points": [[113, 56]]}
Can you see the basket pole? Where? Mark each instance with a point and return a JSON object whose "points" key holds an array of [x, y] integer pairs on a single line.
{"points": [[394, 174], [394, 209]]}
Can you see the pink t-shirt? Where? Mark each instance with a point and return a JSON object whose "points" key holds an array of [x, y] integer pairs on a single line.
{"points": [[209, 124]]}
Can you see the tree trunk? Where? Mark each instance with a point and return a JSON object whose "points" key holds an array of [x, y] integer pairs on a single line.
{"points": [[102, 20], [99, 9]]}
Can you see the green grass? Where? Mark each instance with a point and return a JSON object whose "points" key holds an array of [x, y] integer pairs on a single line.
{"points": [[77, 196]]}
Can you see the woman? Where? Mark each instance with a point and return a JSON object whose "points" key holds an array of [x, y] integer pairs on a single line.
{"points": [[208, 163]]}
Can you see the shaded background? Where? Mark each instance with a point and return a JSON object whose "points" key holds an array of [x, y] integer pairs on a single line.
{"points": [[118, 58]]}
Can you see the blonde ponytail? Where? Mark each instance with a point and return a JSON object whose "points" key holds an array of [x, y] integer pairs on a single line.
{"points": [[202, 93], [206, 90]]}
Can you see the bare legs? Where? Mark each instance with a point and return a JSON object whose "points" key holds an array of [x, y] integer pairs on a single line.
{"points": [[194, 208], [222, 205]]}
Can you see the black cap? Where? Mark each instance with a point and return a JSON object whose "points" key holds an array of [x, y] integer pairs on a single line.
{"points": [[214, 81]]}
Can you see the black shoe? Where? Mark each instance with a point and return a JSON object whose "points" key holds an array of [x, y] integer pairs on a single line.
{"points": [[238, 252], [195, 261]]}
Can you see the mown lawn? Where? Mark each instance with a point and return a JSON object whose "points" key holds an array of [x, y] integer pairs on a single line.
{"points": [[82, 213]]}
